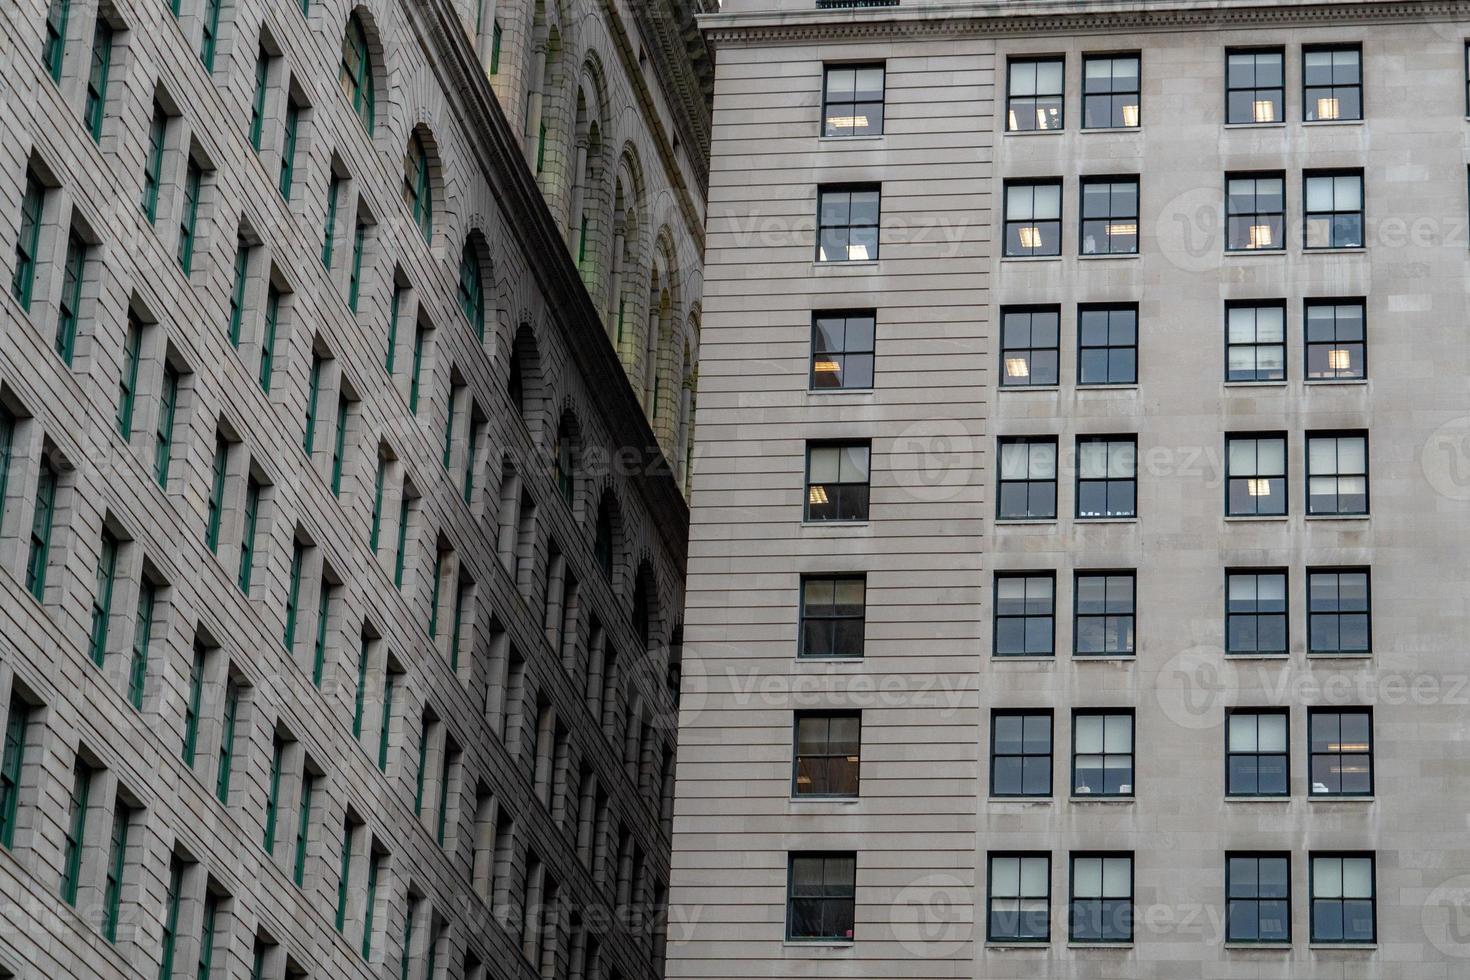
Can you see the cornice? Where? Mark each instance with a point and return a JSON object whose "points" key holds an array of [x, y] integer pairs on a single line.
{"points": [[682, 62], [496, 151], [995, 18]]}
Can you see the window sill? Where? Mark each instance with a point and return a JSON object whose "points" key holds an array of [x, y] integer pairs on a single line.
{"points": [[1308, 123], [1286, 798], [844, 800], [1028, 800], [817, 943], [1126, 658], [1257, 125], [1107, 520], [1119, 946], [1263, 947], [1088, 798], [868, 138], [1314, 382], [1341, 655], [1111, 129], [1345, 947], [1023, 521], [1256, 384], [819, 265], [1133, 386], [1255, 518], [1096, 256], [1048, 132], [839, 392], [829, 660], [1031, 258], [1023, 658], [1338, 517], [1000, 944], [1256, 656], [1029, 388], [842, 524], [1235, 253], [1320, 798], [1336, 250]]}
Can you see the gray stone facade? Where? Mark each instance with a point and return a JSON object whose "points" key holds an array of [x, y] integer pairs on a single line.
{"points": [[924, 822], [415, 602]]}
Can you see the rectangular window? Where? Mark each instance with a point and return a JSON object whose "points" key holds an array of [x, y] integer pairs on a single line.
{"points": [[1255, 482], [1255, 212], [385, 728], [257, 104], [1025, 614], [339, 444], [1257, 757], [852, 100], [53, 51], [1332, 83], [70, 308], [1033, 222], [227, 741], [268, 337], [497, 35], [172, 900], [96, 106], [1034, 94], [1109, 216], [1258, 898], [313, 393], [370, 903], [1255, 612], [193, 187], [400, 558], [354, 280], [420, 341], [1337, 473], [847, 223], [1028, 478], [39, 559], [1334, 209], [1019, 899], [1254, 86], [1344, 899], [12, 765], [1107, 476], [395, 304], [1102, 898], [7, 440], [247, 535], [837, 481], [376, 527], [216, 502], [207, 931], [821, 896], [193, 705], [1107, 344], [153, 163], [102, 597], [237, 291], [142, 636], [303, 827], [842, 350], [1104, 614], [1110, 91], [273, 797], [288, 149], [117, 862], [293, 596], [344, 870], [1020, 753], [1028, 355], [1342, 751], [1255, 341], [319, 647], [828, 749], [1102, 753], [1339, 616], [127, 384], [329, 229], [450, 756], [1336, 340], [76, 831], [833, 613], [27, 242], [209, 36]]}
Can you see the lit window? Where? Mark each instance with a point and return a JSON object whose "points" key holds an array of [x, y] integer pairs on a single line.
{"points": [[1255, 613], [1110, 216], [1110, 91], [1254, 87], [1025, 614], [1255, 341], [1257, 760], [1342, 751], [418, 188], [828, 747], [1019, 898], [1337, 473], [852, 101], [1107, 344], [1255, 485], [1034, 94], [1020, 753], [1344, 902], [1028, 479], [1334, 203], [355, 74], [1102, 753], [833, 612], [842, 350], [1033, 224], [837, 481], [1102, 898], [1255, 212], [1103, 617], [821, 893], [1258, 898], [1336, 340], [1332, 83], [1339, 611], [1028, 355], [1107, 476], [847, 223]]}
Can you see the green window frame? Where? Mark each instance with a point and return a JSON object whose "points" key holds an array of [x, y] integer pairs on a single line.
{"points": [[207, 934], [168, 405], [319, 647], [496, 37], [127, 382], [413, 905], [339, 444], [188, 221], [418, 792], [237, 291], [390, 358], [418, 187], [70, 306], [288, 148], [343, 874], [7, 439], [476, 429], [354, 281], [449, 424], [273, 798], [39, 558], [313, 392], [375, 529], [257, 104], [102, 597], [191, 707], [246, 571], [471, 289], [355, 74], [209, 37], [95, 109], [442, 824], [329, 227], [216, 502], [53, 49], [540, 147], [360, 698], [457, 626], [12, 765], [434, 593], [32, 209], [303, 828], [76, 831], [142, 637], [268, 340], [293, 596], [117, 862], [153, 164], [420, 339], [375, 861], [385, 730], [402, 555], [227, 742], [171, 919]]}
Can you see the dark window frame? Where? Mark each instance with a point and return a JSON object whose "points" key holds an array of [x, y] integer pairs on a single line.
{"points": [[1132, 753], [1051, 751], [1072, 859], [1312, 754], [845, 353], [801, 614], [1308, 343], [1358, 87], [1114, 94], [827, 69], [1307, 213], [1001, 481], [867, 502], [1256, 712], [1031, 184], [1256, 90], [1106, 481], [1312, 857], [1008, 353], [1024, 575], [1256, 899], [791, 858], [1338, 474], [1111, 217], [1283, 491], [1339, 571], [1256, 305], [796, 756], [1256, 614], [1061, 96], [990, 934], [1082, 346], [1077, 616], [849, 189], [1279, 225]]}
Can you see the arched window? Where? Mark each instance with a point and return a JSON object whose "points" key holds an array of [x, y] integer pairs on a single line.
{"points": [[418, 192], [566, 472], [471, 289], [516, 385], [641, 612], [356, 73], [602, 545]]}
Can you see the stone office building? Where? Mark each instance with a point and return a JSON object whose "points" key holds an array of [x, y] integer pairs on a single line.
{"points": [[345, 387], [1076, 581]]}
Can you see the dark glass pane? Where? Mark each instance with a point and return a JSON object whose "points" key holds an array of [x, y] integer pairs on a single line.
{"points": [[1008, 734], [1094, 367], [1006, 776], [1038, 635], [1010, 637], [1243, 924], [1275, 920], [1044, 367], [1357, 920], [1327, 920], [1271, 774], [1036, 780]]}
